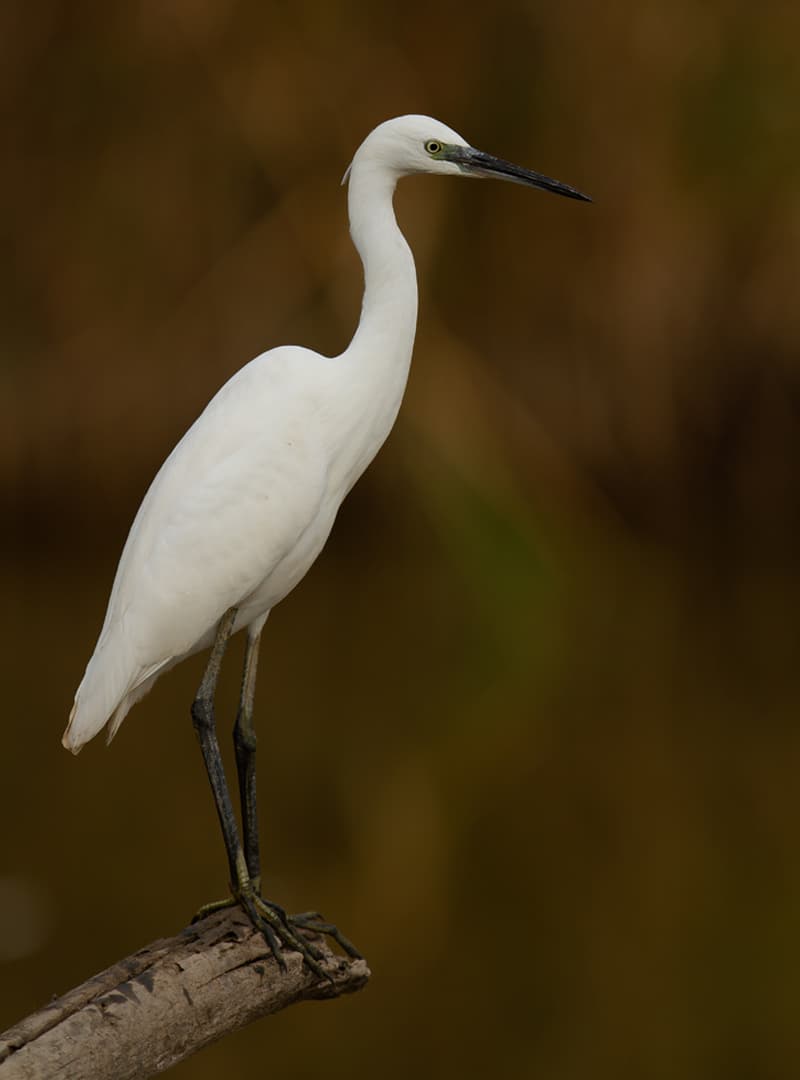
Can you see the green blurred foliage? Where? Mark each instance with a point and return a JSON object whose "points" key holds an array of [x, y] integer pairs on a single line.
{"points": [[528, 731]]}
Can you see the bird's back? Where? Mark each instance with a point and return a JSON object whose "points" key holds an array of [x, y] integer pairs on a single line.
{"points": [[230, 502]]}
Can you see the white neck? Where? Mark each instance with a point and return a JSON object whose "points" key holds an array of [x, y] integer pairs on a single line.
{"points": [[371, 373], [385, 334]]}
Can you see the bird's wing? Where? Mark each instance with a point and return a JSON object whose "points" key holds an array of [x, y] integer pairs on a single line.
{"points": [[229, 503]]}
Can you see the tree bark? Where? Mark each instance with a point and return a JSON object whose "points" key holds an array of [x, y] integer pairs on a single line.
{"points": [[167, 1001]]}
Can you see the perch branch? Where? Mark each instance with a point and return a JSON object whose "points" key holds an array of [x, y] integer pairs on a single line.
{"points": [[165, 1002]]}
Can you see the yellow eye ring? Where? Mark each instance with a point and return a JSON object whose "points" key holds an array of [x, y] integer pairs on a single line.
{"points": [[433, 146]]}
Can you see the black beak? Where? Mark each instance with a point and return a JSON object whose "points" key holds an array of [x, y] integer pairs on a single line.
{"points": [[476, 163]]}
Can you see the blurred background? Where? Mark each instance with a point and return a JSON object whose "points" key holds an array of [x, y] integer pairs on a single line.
{"points": [[528, 730]]}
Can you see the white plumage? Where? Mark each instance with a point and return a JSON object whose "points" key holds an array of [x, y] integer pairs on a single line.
{"points": [[245, 502]]}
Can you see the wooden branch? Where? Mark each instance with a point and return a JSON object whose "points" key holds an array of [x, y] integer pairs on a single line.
{"points": [[165, 1002]]}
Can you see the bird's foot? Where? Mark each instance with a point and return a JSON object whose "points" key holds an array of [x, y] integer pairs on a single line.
{"points": [[282, 931]]}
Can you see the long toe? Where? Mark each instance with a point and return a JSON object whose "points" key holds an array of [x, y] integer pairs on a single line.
{"points": [[317, 924], [215, 905]]}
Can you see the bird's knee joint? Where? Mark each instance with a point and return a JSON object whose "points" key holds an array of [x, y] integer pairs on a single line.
{"points": [[245, 739], [202, 714]]}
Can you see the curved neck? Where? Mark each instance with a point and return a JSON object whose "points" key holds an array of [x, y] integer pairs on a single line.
{"points": [[389, 309]]}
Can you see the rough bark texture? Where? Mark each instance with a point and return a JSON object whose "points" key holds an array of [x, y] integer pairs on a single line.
{"points": [[165, 1002]]}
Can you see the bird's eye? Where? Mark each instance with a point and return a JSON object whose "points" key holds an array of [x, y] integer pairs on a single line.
{"points": [[433, 146]]}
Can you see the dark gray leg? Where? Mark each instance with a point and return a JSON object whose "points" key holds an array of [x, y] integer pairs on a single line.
{"points": [[206, 729], [244, 742], [265, 916]]}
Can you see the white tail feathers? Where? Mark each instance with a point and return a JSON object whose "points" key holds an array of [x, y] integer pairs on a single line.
{"points": [[69, 739], [99, 702], [84, 723]]}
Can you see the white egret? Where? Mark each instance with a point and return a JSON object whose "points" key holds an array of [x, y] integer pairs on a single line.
{"points": [[243, 505]]}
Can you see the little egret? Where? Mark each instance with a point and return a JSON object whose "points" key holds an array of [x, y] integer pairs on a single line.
{"points": [[243, 505]]}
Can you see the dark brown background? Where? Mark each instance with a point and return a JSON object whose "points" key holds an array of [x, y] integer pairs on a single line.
{"points": [[529, 729]]}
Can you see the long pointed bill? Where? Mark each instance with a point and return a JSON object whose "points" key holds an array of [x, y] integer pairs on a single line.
{"points": [[476, 163]]}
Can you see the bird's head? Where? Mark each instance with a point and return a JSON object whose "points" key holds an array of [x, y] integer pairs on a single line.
{"points": [[420, 144]]}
